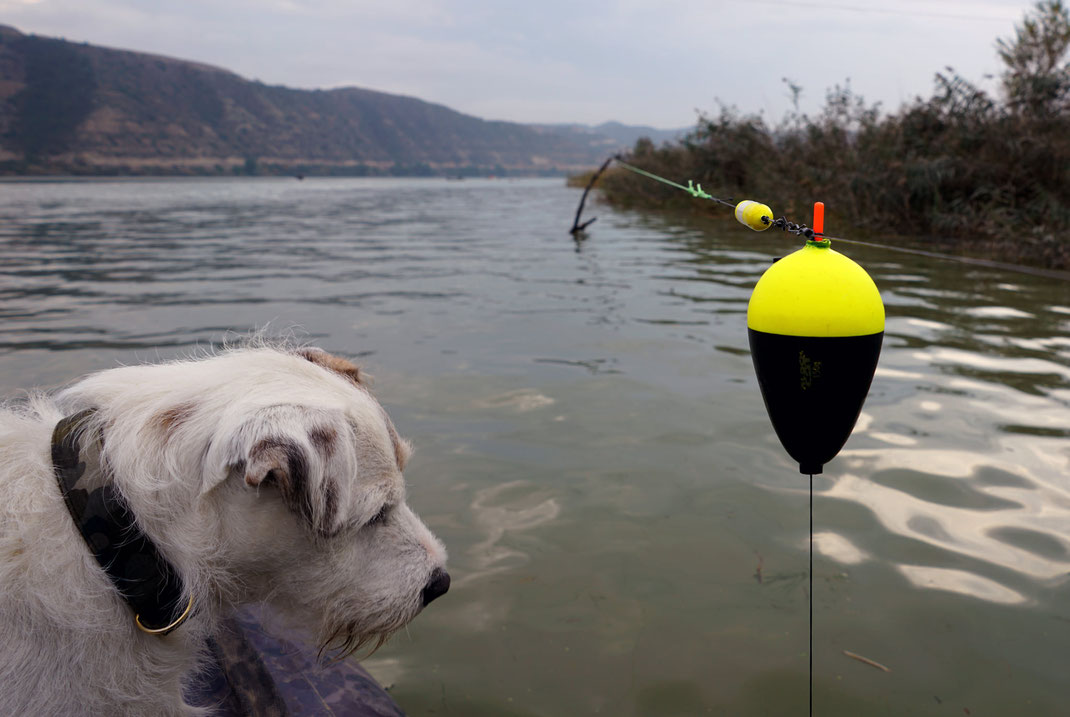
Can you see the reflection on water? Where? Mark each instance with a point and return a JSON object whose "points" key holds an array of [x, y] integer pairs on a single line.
{"points": [[626, 535], [839, 548], [495, 516], [960, 581], [967, 518], [521, 400]]}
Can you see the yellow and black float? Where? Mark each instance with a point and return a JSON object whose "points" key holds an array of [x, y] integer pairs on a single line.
{"points": [[815, 322]]}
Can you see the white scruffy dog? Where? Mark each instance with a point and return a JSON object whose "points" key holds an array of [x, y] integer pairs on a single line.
{"points": [[262, 474]]}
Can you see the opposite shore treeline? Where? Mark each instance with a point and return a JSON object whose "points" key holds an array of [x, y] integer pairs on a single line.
{"points": [[972, 172]]}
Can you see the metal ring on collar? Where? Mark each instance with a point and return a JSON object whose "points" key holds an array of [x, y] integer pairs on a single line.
{"points": [[164, 630]]}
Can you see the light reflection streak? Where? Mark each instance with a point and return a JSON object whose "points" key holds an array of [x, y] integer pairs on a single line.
{"points": [[883, 372], [894, 439], [521, 400], [960, 581], [960, 530], [839, 548], [991, 363], [997, 312]]}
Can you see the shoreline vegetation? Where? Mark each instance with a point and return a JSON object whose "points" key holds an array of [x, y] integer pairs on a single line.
{"points": [[965, 172]]}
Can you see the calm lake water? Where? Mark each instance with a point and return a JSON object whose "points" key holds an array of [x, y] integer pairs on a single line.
{"points": [[626, 535]]}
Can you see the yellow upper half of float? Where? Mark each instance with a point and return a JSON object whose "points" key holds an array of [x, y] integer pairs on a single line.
{"points": [[816, 291]]}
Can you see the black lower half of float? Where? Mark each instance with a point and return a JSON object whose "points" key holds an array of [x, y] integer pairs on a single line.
{"points": [[814, 388]]}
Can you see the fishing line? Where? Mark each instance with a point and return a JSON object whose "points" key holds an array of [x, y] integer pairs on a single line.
{"points": [[760, 220], [753, 214], [691, 188]]}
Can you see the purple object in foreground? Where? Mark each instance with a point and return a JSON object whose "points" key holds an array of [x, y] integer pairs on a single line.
{"points": [[256, 674]]}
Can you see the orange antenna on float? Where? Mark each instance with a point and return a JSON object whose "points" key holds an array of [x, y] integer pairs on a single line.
{"points": [[819, 218]]}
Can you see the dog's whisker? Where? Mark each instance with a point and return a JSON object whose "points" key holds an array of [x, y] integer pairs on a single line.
{"points": [[347, 640]]}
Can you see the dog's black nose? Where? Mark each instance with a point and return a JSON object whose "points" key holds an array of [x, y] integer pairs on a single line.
{"points": [[436, 586]]}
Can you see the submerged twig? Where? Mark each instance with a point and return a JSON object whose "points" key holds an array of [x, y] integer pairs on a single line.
{"points": [[867, 661]]}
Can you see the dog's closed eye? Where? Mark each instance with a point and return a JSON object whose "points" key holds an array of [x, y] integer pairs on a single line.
{"points": [[380, 517]]}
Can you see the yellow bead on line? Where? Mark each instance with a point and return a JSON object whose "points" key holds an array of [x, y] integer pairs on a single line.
{"points": [[751, 213]]}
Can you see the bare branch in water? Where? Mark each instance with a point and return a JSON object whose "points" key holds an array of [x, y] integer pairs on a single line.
{"points": [[576, 226]]}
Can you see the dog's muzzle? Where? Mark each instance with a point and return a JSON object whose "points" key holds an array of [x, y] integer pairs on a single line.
{"points": [[436, 587]]}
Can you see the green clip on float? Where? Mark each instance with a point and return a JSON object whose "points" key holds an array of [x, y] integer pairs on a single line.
{"points": [[816, 322]]}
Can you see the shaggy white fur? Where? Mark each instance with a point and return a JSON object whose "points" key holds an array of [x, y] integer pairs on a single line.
{"points": [[263, 474]]}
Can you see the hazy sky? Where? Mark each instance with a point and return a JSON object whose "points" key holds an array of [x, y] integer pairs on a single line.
{"points": [[649, 62]]}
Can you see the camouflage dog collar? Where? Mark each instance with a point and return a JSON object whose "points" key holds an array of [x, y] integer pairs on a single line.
{"points": [[148, 583]]}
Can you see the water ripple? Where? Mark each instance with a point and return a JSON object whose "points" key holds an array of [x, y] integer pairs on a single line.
{"points": [[961, 504]]}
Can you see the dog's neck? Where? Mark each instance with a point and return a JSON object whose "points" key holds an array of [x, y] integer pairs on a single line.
{"points": [[133, 563]]}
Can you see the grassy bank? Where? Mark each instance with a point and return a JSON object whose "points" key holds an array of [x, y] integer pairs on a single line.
{"points": [[961, 170]]}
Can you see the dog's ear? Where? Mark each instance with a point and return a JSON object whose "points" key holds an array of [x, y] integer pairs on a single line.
{"points": [[298, 451], [341, 366], [281, 462], [275, 459]]}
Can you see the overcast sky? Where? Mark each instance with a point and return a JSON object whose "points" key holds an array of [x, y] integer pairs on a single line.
{"points": [[651, 62]]}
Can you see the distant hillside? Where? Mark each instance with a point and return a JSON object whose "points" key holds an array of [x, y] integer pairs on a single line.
{"points": [[76, 108], [610, 137]]}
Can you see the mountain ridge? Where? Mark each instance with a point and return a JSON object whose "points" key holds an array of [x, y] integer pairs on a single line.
{"points": [[76, 108]]}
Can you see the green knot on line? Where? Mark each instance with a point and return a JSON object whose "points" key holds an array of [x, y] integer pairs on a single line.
{"points": [[695, 190]]}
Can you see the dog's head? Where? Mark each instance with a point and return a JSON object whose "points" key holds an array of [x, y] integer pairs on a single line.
{"points": [[269, 474], [309, 470]]}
